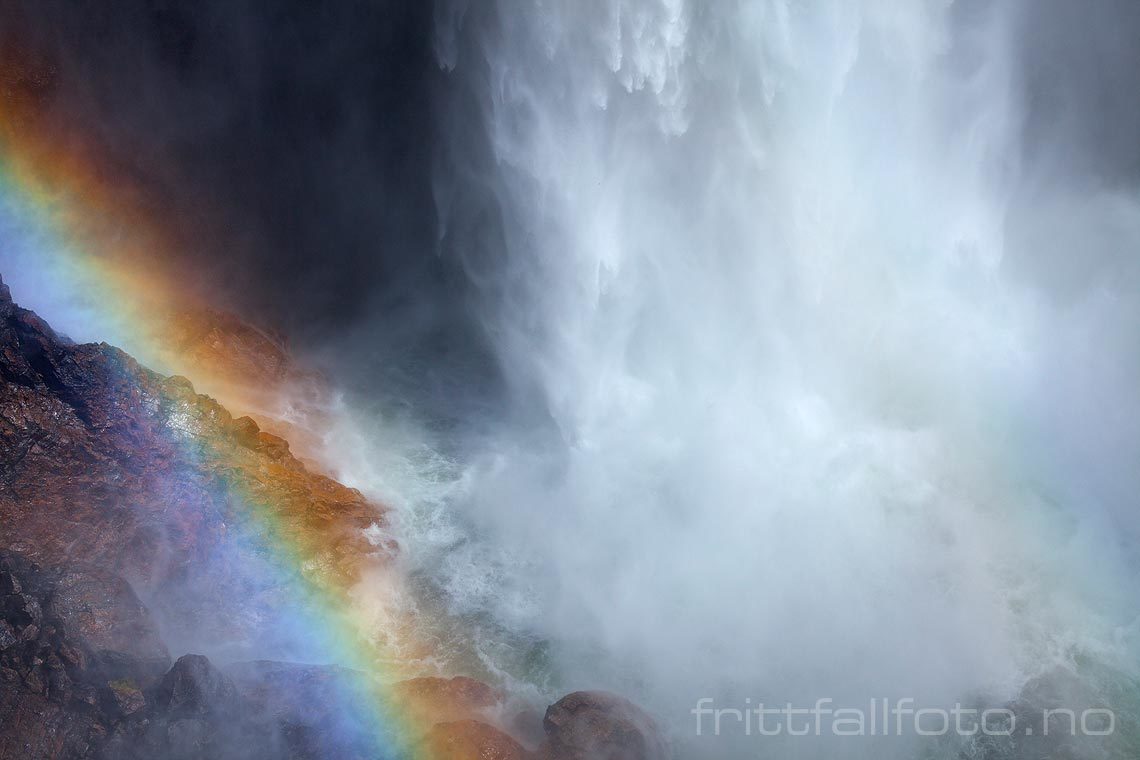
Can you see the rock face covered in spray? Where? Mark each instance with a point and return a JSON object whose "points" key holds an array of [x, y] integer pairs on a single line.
{"points": [[778, 384], [119, 479]]}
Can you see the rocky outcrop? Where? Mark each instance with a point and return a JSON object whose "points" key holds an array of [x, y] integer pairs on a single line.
{"points": [[76, 650], [306, 702], [425, 701], [83, 675], [106, 463], [594, 725], [471, 740], [222, 345], [198, 711], [1070, 713], [115, 479], [127, 498], [585, 725]]}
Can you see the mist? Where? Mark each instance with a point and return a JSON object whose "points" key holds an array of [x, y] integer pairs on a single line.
{"points": [[820, 328], [736, 350]]}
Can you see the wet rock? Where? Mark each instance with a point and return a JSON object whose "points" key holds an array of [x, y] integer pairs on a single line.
{"points": [[274, 447], [471, 740], [21, 610], [49, 703], [440, 700], [194, 712], [34, 727], [194, 687], [221, 344], [594, 725], [124, 698], [1067, 713], [109, 471], [250, 370], [101, 612], [46, 708], [108, 464], [322, 710], [8, 635], [526, 725], [245, 432]]}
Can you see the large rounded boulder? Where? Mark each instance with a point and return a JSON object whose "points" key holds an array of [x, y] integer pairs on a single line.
{"points": [[596, 725]]}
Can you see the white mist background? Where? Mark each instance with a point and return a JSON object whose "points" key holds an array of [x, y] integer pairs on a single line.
{"points": [[796, 416]]}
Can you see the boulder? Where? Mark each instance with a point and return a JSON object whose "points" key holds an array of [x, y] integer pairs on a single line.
{"points": [[595, 725], [124, 698], [195, 711], [194, 687], [1069, 713], [471, 740], [323, 710], [426, 701], [68, 630]]}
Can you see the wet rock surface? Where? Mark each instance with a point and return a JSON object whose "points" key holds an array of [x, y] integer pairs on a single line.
{"points": [[471, 740], [116, 480], [305, 702], [65, 694], [1066, 713], [106, 463], [440, 700], [594, 725], [63, 678], [126, 499]]}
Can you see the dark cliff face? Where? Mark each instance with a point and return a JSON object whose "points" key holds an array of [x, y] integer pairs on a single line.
{"points": [[116, 480], [105, 462], [62, 682], [286, 152], [139, 517], [83, 674]]}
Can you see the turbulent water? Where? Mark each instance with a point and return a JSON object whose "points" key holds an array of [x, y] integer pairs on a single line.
{"points": [[821, 362], [814, 332]]}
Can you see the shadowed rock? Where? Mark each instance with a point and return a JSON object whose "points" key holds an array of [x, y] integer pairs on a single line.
{"points": [[194, 687], [309, 703], [1068, 713], [114, 478], [594, 725], [76, 644], [107, 463]]}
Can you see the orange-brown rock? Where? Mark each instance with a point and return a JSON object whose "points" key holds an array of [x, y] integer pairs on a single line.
{"points": [[105, 462], [120, 481], [220, 344], [250, 370], [471, 740], [440, 700]]}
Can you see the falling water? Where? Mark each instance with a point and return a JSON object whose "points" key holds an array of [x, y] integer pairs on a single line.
{"points": [[792, 414], [817, 326]]}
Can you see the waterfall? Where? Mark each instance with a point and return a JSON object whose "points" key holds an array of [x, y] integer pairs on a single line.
{"points": [[790, 405]]}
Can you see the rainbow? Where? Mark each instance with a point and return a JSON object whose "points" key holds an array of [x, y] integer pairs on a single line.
{"points": [[80, 246], [84, 251]]}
